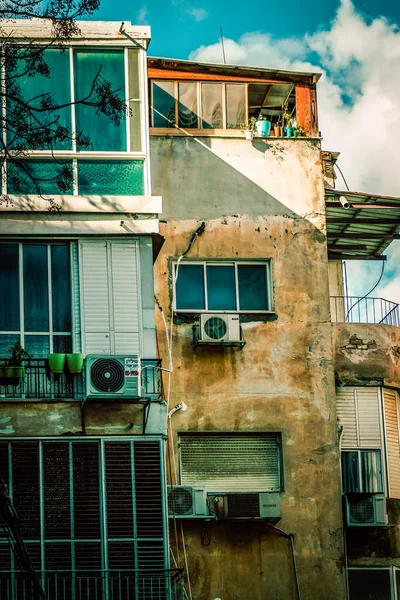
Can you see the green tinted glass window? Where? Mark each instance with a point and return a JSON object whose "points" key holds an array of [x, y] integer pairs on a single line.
{"points": [[43, 177], [9, 286], [221, 289], [110, 178], [252, 281], [163, 104], [53, 87], [190, 287], [36, 295], [104, 67]]}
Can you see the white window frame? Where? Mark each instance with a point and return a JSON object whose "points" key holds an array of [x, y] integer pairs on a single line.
{"points": [[50, 334], [223, 263], [382, 467], [73, 154], [392, 570]]}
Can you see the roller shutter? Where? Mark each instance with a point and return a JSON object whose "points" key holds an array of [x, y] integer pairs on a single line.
{"points": [[231, 462], [391, 408], [110, 297]]}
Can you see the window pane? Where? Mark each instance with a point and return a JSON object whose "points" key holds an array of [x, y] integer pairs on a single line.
{"points": [[164, 103], [367, 584], [221, 291], [38, 345], [40, 177], [60, 285], [188, 110], [101, 129], [211, 109], [62, 343], [350, 472], [9, 286], [235, 105], [7, 342], [36, 291], [33, 90], [371, 471], [110, 178], [190, 287], [253, 287], [258, 93]]}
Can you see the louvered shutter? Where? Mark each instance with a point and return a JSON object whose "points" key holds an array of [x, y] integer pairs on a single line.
{"points": [[110, 297], [391, 404], [347, 416], [358, 411], [231, 463]]}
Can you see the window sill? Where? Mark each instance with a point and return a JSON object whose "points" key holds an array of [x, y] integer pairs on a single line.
{"points": [[223, 133]]}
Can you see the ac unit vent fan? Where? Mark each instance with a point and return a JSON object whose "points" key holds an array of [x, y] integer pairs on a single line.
{"points": [[215, 328], [180, 500], [107, 375]]}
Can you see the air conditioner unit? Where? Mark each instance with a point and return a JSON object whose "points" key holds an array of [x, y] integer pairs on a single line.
{"points": [[185, 502], [257, 505], [220, 329], [365, 510], [115, 376]]}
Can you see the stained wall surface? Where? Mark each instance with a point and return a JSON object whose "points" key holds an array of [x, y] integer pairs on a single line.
{"points": [[263, 200]]}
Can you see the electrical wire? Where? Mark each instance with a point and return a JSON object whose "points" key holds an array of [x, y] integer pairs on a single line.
{"points": [[340, 171], [289, 536], [368, 293]]}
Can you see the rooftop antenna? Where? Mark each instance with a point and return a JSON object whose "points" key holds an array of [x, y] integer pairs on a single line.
{"points": [[222, 44]]}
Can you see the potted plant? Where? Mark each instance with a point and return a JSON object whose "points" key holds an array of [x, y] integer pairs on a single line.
{"points": [[299, 131], [75, 362], [56, 362], [263, 126], [249, 128], [15, 366], [287, 120]]}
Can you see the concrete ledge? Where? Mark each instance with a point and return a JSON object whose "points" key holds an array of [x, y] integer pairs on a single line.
{"points": [[99, 204], [367, 353]]}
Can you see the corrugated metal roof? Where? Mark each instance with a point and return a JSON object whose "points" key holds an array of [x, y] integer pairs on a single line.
{"points": [[365, 228], [240, 69]]}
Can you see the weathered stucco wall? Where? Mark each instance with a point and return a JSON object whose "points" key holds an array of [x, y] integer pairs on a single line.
{"points": [[367, 354], [259, 200]]}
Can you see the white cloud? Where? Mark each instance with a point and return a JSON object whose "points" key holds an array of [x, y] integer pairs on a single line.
{"points": [[198, 14], [358, 98], [141, 16]]}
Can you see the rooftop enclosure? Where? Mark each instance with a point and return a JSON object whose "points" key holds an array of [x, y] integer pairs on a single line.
{"points": [[208, 99]]}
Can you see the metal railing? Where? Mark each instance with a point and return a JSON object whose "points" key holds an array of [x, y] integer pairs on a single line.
{"points": [[37, 382], [110, 585], [356, 309]]}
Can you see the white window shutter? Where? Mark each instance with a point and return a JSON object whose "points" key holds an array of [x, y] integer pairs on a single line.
{"points": [[369, 421], [110, 297], [358, 412], [391, 404], [347, 415]]}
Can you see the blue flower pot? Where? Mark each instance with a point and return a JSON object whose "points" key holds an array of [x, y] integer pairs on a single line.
{"points": [[289, 131], [263, 128]]}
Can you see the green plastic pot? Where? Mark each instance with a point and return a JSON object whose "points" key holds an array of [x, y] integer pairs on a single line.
{"points": [[75, 362], [12, 372], [56, 362]]}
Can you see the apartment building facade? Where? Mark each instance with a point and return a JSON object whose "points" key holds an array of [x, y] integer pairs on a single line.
{"points": [[83, 453], [288, 386]]}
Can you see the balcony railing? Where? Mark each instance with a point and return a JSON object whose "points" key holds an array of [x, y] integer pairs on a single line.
{"points": [[355, 309], [39, 383], [116, 585]]}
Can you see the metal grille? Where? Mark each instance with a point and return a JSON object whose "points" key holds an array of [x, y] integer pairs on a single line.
{"points": [[87, 508], [362, 511], [243, 505]]}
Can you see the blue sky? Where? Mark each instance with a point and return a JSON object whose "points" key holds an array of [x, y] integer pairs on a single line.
{"points": [[355, 44]]}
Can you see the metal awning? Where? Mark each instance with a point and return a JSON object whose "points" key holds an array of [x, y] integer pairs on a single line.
{"points": [[364, 228]]}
